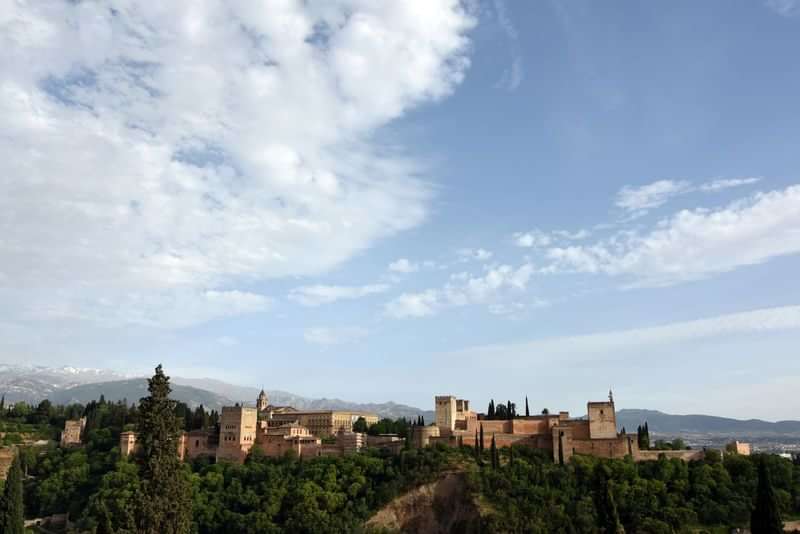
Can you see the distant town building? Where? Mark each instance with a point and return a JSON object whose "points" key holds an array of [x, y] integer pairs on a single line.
{"points": [[595, 435], [391, 443], [73, 431]]}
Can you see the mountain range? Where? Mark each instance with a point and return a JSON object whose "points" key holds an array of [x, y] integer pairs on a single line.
{"points": [[63, 385]]}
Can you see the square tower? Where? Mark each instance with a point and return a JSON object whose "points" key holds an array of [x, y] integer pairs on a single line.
{"points": [[237, 432], [602, 420], [446, 413]]}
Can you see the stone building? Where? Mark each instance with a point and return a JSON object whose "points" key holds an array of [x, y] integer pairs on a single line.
{"points": [[237, 432], [350, 442], [739, 447], [128, 444], [322, 423], [563, 436], [73, 431], [287, 438]]}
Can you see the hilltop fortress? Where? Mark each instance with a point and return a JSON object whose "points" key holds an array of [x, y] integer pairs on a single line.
{"points": [[563, 436]]}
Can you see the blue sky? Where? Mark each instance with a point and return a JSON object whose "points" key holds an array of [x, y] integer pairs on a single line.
{"points": [[389, 201]]}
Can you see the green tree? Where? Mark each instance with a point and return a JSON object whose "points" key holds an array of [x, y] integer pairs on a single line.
{"points": [[163, 505], [607, 516], [481, 440], [112, 510], [12, 511], [494, 453], [490, 410], [766, 516], [360, 425], [527, 408]]}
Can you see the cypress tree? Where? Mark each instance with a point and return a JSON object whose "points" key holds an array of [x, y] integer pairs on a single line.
{"points": [[164, 503], [494, 453], [607, 516], [508, 409], [12, 510], [511, 456], [766, 516], [490, 411], [422, 420], [477, 447], [481, 441], [3, 406], [527, 408]]}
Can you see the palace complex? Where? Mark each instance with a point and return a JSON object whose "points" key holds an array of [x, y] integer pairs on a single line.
{"points": [[564, 436], [275, 430]]}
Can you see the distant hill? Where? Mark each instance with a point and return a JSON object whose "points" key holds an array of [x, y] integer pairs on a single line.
{"points": [[664, 423], [134, 389], [32, 383]]}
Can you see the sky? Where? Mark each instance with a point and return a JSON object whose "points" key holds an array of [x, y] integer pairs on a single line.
{"points": [[394, 200]]}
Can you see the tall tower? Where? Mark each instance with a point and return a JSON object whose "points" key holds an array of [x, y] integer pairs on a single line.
{"points": [[262, 402]]}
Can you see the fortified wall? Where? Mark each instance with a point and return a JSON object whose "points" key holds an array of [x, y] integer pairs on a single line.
{"points": [[561, 435]]}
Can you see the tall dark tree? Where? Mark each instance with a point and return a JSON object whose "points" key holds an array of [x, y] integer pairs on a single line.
{"points": [[511, 456], [481, 440], [766, 516], [495, 462], [509, 410], [607, 515], [477, 447], [527, 408], [490, 410], [164, 502], [545, 411], [3, 406], [12, 509]]}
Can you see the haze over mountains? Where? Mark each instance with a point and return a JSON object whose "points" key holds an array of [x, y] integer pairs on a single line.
{"points": [[63, 385]]}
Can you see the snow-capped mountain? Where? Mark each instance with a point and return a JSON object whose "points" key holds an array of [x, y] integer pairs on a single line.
{"points": [[32, 383]]}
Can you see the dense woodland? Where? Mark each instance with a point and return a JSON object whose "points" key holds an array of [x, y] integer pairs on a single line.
{"points": [[519, 490]]}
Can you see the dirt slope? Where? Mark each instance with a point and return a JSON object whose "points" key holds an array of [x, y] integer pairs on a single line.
{"points": [[441, 507]]}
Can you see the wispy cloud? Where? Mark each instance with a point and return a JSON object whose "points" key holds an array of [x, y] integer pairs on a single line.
{"points": [[478, 254], [512, 76], [638, 200], [624, 342], [693, 244], [318, 295], [784, 8], [539, 239], [327, 336]]}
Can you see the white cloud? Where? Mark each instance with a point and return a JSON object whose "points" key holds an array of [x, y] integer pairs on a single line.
{"points": [[650, 195], [626, 342], [168, 149], [726, 183], [334, 336], [539, 239], [640, 199], [413, 304], [461, 290], [696, 243], [475, 254], [227, 341], [403, 265], [321, 294]]}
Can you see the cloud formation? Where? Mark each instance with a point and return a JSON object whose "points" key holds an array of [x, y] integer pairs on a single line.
{"points": [[154, 152], [639, 200], [462, 289], [693, 244], [318, 295]]}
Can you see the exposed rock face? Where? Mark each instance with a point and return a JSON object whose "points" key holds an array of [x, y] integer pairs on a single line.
{"points": [[441, 507]]}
